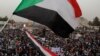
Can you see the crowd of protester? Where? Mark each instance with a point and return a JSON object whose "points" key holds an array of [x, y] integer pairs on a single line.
{"points": [[83, 41], [14, 42]]}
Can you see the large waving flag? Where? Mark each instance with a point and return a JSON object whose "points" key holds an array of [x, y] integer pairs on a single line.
{"points": [[58, 15]]}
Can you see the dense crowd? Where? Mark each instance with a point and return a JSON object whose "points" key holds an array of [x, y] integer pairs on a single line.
{"points": [[82, 42], [14, 42]]}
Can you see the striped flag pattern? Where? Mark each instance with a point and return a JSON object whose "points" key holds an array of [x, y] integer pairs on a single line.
{"points": [[45, 51], [59, 15]]}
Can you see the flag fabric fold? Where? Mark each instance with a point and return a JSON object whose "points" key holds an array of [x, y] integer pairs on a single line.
{"points": [[58, 15]]}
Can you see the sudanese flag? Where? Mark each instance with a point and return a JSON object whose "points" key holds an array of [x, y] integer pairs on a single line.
{"points": [[58, 15]]}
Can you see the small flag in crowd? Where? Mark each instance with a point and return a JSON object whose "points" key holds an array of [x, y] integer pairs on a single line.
{"points": [[58, 15], [43, 50]]}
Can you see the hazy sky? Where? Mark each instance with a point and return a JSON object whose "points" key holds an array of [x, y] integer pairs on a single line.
{"points": [[90, 8]]}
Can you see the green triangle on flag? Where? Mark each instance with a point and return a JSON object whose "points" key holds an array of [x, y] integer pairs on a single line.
{"points": [[27, 3]]}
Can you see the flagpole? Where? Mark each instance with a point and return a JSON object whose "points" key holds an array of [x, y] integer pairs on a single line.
{"points": [[6, 23]]}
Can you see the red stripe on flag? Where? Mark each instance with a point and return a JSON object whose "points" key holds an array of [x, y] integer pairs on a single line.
{"points": [[76, 8]]}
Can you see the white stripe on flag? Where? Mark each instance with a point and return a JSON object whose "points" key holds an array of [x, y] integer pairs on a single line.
{"points": [[66, 11], [63, 8]]}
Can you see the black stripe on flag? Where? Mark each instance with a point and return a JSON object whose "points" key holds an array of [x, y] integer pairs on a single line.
{"points": [[47, 17]]}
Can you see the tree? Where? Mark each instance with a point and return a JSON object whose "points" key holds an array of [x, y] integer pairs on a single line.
{"points": [[4, 19], [96, 22], [90, 23]]}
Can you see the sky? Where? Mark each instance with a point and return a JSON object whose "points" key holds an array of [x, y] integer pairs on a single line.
{"points": [[90, 8]]}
